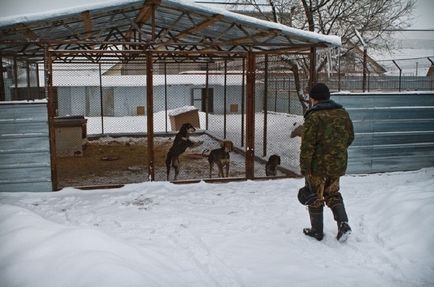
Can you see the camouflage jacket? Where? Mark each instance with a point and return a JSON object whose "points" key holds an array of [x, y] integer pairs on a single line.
{"points": [[328, 131]]}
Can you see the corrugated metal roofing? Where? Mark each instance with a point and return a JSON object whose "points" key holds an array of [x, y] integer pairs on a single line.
{"points": [[175, 26], [24, 147]]}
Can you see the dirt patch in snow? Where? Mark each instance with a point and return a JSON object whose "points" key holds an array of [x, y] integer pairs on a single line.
{"points": [[124, 160]]}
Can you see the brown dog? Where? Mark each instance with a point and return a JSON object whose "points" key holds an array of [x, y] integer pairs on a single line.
{"points": [[220, 157], [180, 144], [271, 165]]}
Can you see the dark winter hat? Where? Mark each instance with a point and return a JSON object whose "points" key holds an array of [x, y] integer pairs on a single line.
{"points": [[320, 92], [306, 196]]}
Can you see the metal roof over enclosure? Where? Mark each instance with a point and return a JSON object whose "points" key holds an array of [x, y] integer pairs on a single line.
{"points": [[158, 25], [152, 31]]}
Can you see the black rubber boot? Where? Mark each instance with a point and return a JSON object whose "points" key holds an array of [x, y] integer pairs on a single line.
{"points": [[340, 215], [316, 221]]}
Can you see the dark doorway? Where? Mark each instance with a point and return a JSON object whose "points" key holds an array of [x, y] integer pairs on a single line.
{"points": [[210, 100]]}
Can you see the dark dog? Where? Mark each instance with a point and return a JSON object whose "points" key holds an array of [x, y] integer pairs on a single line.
{"points": [[180, 144], [271, 165], [220, 157]]}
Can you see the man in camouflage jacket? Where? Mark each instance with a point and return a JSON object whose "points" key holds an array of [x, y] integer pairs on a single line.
{"points": [[328, 131]]}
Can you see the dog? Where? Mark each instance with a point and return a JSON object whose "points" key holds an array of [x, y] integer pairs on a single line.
{"points": [[180, 144], [220, 157], [271, 165]]}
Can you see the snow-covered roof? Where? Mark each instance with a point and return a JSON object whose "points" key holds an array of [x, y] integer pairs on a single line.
{"points": [[176, 4], [182, 110], [176, 25]]}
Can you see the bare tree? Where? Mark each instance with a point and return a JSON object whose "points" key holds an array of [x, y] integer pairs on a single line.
{"points": [[374, 19]]}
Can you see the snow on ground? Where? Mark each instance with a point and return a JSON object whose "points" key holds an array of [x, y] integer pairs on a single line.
{"points": [[232, 234]]}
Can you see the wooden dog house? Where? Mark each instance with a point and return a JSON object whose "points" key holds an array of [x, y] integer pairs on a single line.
{"points": [[70, 135], [184, 115]]}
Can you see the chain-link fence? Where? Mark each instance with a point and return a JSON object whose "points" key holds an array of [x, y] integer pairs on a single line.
{"points": [[394, 75], [111, 96], [375, 83], [20, 81]]}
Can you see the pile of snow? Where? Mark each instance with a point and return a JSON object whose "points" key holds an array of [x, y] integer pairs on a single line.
{"points": [[234, 234]]}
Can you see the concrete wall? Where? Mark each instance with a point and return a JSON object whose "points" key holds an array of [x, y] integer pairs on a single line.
{"points": [[394, 132], [125, 100], [24, 147]]}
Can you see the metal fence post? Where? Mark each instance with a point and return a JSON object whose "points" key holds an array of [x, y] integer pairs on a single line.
{"points": [[101, 99], [51, 114], [250, 116], [165, 95], [339, 71], [400, 74], [150, 115], [243, 100], [38, 94], [265, 107], [365, 54], [16, 79], [206, 95], [225, 98], [29, 96], [2, 84], [369, 79], [289, 94]]}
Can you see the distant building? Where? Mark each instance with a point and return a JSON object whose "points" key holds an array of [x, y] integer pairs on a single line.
{"points": [[79, 90]]}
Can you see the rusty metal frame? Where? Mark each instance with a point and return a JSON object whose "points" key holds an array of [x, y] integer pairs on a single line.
{"points": [[51, 114], [2, 81], [250, 115], [250, 60], [150, 115], [150, 56], [143, 38]]}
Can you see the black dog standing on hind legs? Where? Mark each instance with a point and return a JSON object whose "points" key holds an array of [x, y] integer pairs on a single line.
{"points": [[180, 144]]}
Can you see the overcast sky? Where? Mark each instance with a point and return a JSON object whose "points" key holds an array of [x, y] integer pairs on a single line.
{"points": [[423, 15]]}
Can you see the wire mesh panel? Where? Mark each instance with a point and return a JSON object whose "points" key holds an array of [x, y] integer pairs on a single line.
{"points": [[227, 119], [178, 101], [278, 113], [109, 96], [20, 81], [108, 104], [203, 90]]}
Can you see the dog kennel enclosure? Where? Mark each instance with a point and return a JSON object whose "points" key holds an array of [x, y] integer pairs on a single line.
{"points": [[120, 65]]}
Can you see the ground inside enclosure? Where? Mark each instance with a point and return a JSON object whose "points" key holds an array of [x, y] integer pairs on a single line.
{"points": [[123, 160], [279, 128]]}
